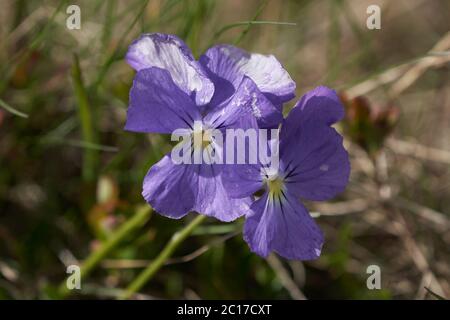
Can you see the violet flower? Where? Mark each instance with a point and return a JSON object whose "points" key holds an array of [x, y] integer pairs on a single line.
{"points": [[227, 88], [313, 165], [227, 65]]}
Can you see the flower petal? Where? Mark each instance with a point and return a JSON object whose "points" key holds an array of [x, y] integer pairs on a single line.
{"points": [[171, 189], [314, 161], [283, 226], [228, 64], [158, 105], [171, 53], [213, 199], [320, 105], [321, 170], [245, 104], [242, 180], [174, 190]]}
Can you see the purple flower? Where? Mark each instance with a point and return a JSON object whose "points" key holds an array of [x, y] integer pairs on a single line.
{"points": [[227, 65], [313, 165], [227, 88]]}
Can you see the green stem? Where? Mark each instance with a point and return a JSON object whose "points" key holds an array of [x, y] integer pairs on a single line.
{"points": [[86, 121], [23, 54], [165, 254], [249, 25], [108, 62], [246, 23], [139, 219], [7, 107]]}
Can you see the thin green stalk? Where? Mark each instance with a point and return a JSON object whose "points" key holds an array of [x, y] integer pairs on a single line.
{"points": [[105, 67], [147, 274], [81, 144], [108, 24], [138, 220], [247, 29], [334, 43], [85, 115], [246, 23], [438, 297], [23, 54], [7, 107]]}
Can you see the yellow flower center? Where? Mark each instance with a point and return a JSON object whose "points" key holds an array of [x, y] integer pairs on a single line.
{"points": [[275, 186], [201, 139]]}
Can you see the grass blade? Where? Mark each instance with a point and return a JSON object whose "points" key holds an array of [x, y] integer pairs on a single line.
{"points": [[85, 116], [249, 25], [105, 67], [136, 221], [16, 112], [434, 294]]}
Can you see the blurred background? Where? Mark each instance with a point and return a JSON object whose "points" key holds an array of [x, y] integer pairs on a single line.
{"points": [[71, 177]]}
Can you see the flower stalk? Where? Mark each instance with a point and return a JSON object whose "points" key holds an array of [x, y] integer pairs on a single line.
{"points": [[90, 157], [160, 260], [139, 219]]}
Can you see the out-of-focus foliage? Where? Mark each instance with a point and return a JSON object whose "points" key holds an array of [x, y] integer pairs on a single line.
{"points": [[366, 124], [70, 176]]}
